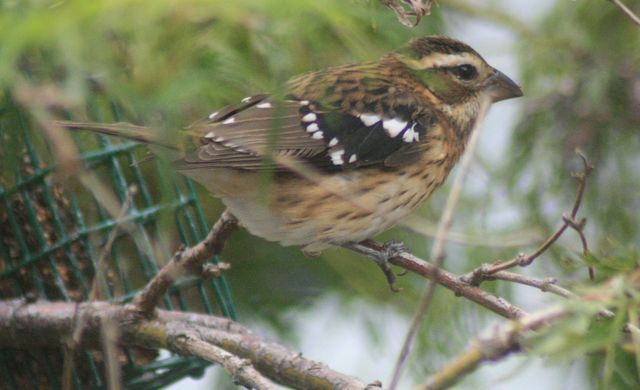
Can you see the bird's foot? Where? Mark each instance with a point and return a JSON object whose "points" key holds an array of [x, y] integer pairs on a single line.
{"points": [[390, 249], [381, 257]]}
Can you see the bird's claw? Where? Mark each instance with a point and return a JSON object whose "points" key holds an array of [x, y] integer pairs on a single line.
{"points": [[380, 256], [393, 248], [390, 249]]}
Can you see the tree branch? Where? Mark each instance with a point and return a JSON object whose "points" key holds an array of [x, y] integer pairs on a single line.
{"points": [[451, 281], [544, 285], [481, 273], [500, 342], [49, 324], [240, 369], [634, 18], [189, 260]]}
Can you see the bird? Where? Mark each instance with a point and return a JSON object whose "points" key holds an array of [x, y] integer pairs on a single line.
{"points": [[351, 150]]}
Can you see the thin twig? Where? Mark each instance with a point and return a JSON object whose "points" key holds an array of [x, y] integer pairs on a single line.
{"points": [[189, 260], [578, 226], [110, 336], [627, 11], [80, 321], [240, 369], [437, 251], [544, 285], [476, 276]]}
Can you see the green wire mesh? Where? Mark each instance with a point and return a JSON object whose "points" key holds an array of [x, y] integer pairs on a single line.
{"points": [[52, 240]]}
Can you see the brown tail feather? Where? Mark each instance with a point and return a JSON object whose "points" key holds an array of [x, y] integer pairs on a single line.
{"points": [[120, 129]]}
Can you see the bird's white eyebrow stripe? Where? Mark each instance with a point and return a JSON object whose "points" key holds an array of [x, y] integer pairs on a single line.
{"points": [[439, 60]]}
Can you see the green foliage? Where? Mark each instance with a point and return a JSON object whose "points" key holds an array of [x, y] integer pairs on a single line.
{"points": [[589, 331], [169, 62], [580, 74]]}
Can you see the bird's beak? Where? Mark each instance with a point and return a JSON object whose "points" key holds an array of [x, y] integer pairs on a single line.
{"points": [[500, 87]]}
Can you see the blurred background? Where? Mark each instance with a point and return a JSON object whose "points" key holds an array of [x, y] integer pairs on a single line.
{"points": [[169, 63]]}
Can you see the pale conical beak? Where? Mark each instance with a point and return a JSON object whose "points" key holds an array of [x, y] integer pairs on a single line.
{"points": [[500, 87]]}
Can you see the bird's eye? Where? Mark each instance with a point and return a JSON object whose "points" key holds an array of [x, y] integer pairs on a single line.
{"points": [[465, 72]]}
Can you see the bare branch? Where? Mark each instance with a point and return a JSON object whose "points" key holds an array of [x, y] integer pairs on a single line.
{"points": [[189, 260], [48, 324], [627, 11], [544, 285], [481, 273], [578, 226], [437, 250], [501, 340], [240, 369], [282, 365], [446, 279]]}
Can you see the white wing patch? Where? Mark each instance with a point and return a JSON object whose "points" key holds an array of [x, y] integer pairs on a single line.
{"points": [[369, 119], [409, 134], [310, 117], [394, 126], [336, 157]]}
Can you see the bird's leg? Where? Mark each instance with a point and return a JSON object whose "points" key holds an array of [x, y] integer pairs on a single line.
{"points": [[380, 254]]}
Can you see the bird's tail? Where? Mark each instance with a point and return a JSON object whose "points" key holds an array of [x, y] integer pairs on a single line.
{"points": [[121, 129]]}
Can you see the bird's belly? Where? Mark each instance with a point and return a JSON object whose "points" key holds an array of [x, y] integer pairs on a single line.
{"points": [[339, 208]]}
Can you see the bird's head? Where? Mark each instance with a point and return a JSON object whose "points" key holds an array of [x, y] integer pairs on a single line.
{"points": [[453, 71]]}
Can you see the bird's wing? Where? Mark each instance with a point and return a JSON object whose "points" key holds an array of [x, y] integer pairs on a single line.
{"points": [[323, 135]]}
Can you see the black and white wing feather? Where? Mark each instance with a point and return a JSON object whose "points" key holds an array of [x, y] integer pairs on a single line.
{"points": [[329, 138]]}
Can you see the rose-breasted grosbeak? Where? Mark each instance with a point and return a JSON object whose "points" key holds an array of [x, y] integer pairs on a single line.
{"points": [[353, 149]]}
